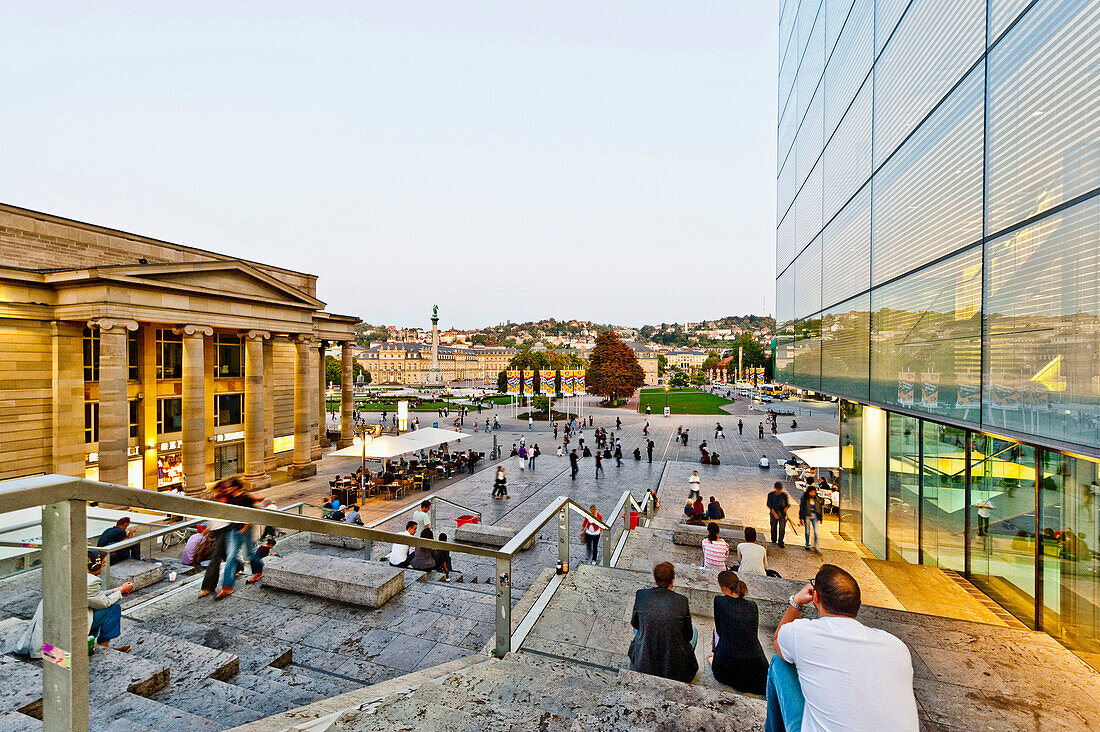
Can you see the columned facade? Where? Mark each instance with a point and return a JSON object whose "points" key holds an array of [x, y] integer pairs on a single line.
{"points": [[347, 395], [145, 363]]}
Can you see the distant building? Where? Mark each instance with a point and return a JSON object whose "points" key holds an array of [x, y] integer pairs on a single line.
{"points": [[408, 363], [689, 360]]}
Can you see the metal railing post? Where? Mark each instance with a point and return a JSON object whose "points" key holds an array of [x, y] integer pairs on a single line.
{"points": [[65, 615], [563, 537], [368, 547], [431, 518], [607, 547], [105, 576], [504, 607]]}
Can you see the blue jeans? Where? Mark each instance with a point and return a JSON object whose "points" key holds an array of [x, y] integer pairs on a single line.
{"points": [[811, 521], [785, 700], [234, 541], [106, 623]]}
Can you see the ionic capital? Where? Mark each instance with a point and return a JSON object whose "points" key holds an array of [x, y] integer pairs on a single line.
{"points": [[107, 324], [303, 338], [194, 331], [255, 335]]}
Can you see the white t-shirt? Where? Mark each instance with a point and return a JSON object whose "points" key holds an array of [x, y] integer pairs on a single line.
{"points": [[853, 677], [752, 559], [422, 519], [399, 553]]}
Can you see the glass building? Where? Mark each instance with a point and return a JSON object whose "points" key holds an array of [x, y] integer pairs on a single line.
{"points": [[937, 270]]}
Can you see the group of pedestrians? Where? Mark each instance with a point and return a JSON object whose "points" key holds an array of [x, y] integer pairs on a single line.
{"points": [[810, 514], [829, 673]]}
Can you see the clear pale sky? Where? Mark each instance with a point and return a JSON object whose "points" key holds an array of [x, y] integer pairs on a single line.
{"points": [[613, 161]]}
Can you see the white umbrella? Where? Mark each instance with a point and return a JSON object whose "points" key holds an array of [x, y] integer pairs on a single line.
{"points": [[810, 438], [380, 448], [820, 457], [431, 436]]}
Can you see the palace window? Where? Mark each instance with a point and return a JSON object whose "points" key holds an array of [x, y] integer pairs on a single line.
{"points": [[169, 354], [169, 415], [230, 352], [91, 422], [91, 354], [228, 409]]}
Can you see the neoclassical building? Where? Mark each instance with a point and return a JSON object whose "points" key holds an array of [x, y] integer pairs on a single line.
{"points": [[408, 363], [142, 362]]}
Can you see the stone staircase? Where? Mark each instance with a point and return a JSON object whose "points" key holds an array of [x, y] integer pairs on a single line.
{"points": [[525, 691]]}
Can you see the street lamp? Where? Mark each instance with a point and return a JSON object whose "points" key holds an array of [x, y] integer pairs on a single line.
{"points": [[365, 434], [666, 396]]}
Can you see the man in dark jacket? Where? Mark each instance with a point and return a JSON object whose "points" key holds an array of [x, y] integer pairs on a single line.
{"points": [[809, 514], [664, 638]]}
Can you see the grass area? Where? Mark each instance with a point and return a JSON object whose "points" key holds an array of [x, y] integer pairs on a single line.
{"points": [[391, 406], [682, 401]]}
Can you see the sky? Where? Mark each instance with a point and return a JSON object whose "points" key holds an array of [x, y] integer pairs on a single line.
{"points": [[610, 161]]}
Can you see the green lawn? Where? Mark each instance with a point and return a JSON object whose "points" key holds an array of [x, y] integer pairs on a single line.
{"points": [[682, 401], [391, 406]]}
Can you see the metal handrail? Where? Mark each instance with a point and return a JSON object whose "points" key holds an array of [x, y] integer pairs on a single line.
{"points": [[433, 497], [64, 563]]}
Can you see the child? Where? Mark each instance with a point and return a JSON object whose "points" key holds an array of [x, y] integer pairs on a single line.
{"points": [[268, 548], [443, 559]]}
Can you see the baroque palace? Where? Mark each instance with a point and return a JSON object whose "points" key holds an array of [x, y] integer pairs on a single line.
{"points": [[142, 362]]}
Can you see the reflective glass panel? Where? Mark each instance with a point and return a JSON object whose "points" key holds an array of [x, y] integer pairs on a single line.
{"points": [[928, 197], [1042, 306], [943, 502], [807, 354], [926, 339], [1069, 521], [1002, 524], [845, 348], [902, 487], [807, 281], [851, 474], [849, 63], [1043, 122], [846, 251], [847, 159]]}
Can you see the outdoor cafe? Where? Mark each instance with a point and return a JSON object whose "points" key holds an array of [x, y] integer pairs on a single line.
{"points": [[407, 462]]}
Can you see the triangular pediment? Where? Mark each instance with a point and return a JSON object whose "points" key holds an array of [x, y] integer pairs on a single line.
{"points": [[233, 279]]}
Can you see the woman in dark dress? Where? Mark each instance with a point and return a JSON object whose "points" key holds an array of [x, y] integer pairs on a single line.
{"points": [[739, 660]]}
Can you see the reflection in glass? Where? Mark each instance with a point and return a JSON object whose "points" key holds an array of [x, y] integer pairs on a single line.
{"points": [[1042, 310], [926, 339], [1069, 517], [845, 348], [903, 488], [943, 502], [807, 354], [1002, 526], [851, 474]]}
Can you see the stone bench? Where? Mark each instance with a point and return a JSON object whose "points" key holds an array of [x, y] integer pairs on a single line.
{"points": [[139, 574], [686, 534], [345, 542], [488, 535], [354, 581]]}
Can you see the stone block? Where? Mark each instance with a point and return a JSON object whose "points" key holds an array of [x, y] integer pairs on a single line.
{"points": [[354, 581], [345, 542], [487, 535], [140, 574], [700, 586], [686, 534]]}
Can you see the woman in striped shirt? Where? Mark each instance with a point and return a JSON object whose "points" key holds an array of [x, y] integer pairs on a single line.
{"points": [[715, 550]]}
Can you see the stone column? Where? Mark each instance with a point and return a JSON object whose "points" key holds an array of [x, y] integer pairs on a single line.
{"points": [[302, 466], [254, 401], [195, 407], [347, 395], [114, 412], [322, 403], [315, 424]]}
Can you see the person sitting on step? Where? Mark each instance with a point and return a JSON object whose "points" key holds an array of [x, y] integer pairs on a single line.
{"points": [[401, 554], [443, 559], [664, 637], [106, 610], [738, 659], [423, 558]]}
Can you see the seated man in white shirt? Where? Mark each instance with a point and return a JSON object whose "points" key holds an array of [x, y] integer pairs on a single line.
{"points": [[764, 462], [835, 673], [401, 554]]}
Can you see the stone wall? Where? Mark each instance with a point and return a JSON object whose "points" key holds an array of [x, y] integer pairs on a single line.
{"points": [[26, 386]]}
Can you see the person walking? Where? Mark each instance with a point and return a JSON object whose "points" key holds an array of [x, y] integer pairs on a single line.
{"points": [[239, 541], [522, 456], [740, 427], [533, 453], [718, 431], [618, 424], [809, 514], [778, 503], [599, 464], [555, 431], [590, 533], [573, 467], [649, 449], [693, 485], [645, 429], [618, 456], [761, 429], [530, 423], [500, 485]]}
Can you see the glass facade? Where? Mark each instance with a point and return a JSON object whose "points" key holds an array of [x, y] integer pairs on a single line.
{"points": [[938, 269]]}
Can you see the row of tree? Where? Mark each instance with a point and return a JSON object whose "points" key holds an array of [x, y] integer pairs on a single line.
{"points": [[612, 371]]}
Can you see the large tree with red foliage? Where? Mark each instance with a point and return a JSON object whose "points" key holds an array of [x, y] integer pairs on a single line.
{"points": [[613, 369]]}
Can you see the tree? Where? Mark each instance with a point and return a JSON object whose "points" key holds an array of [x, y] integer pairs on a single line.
{"points": [[711, 362], [679, 378], [699, 378], [754, 355], [334, 371], [662, 364], [613, 369]]}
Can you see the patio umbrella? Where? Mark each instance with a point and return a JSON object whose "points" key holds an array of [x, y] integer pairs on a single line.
{"points": [[380, 448], [809, 438], [820, 457], [431, 436]]}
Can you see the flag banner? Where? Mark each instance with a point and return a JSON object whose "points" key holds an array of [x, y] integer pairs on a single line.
{"points": [[578, 381], [547, 387], [513, 382], [905, 388], [930, 390], [970, 392], [567, 382], [528, 383], [1005, 397]]}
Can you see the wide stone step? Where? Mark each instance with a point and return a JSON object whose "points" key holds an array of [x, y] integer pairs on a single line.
{"points": [[110, 672], [17, 722], [155, 715], [211, 693], [101, 723], [302, 678], [189, 662], [295, 696], [204, 701], [254, 652]]}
